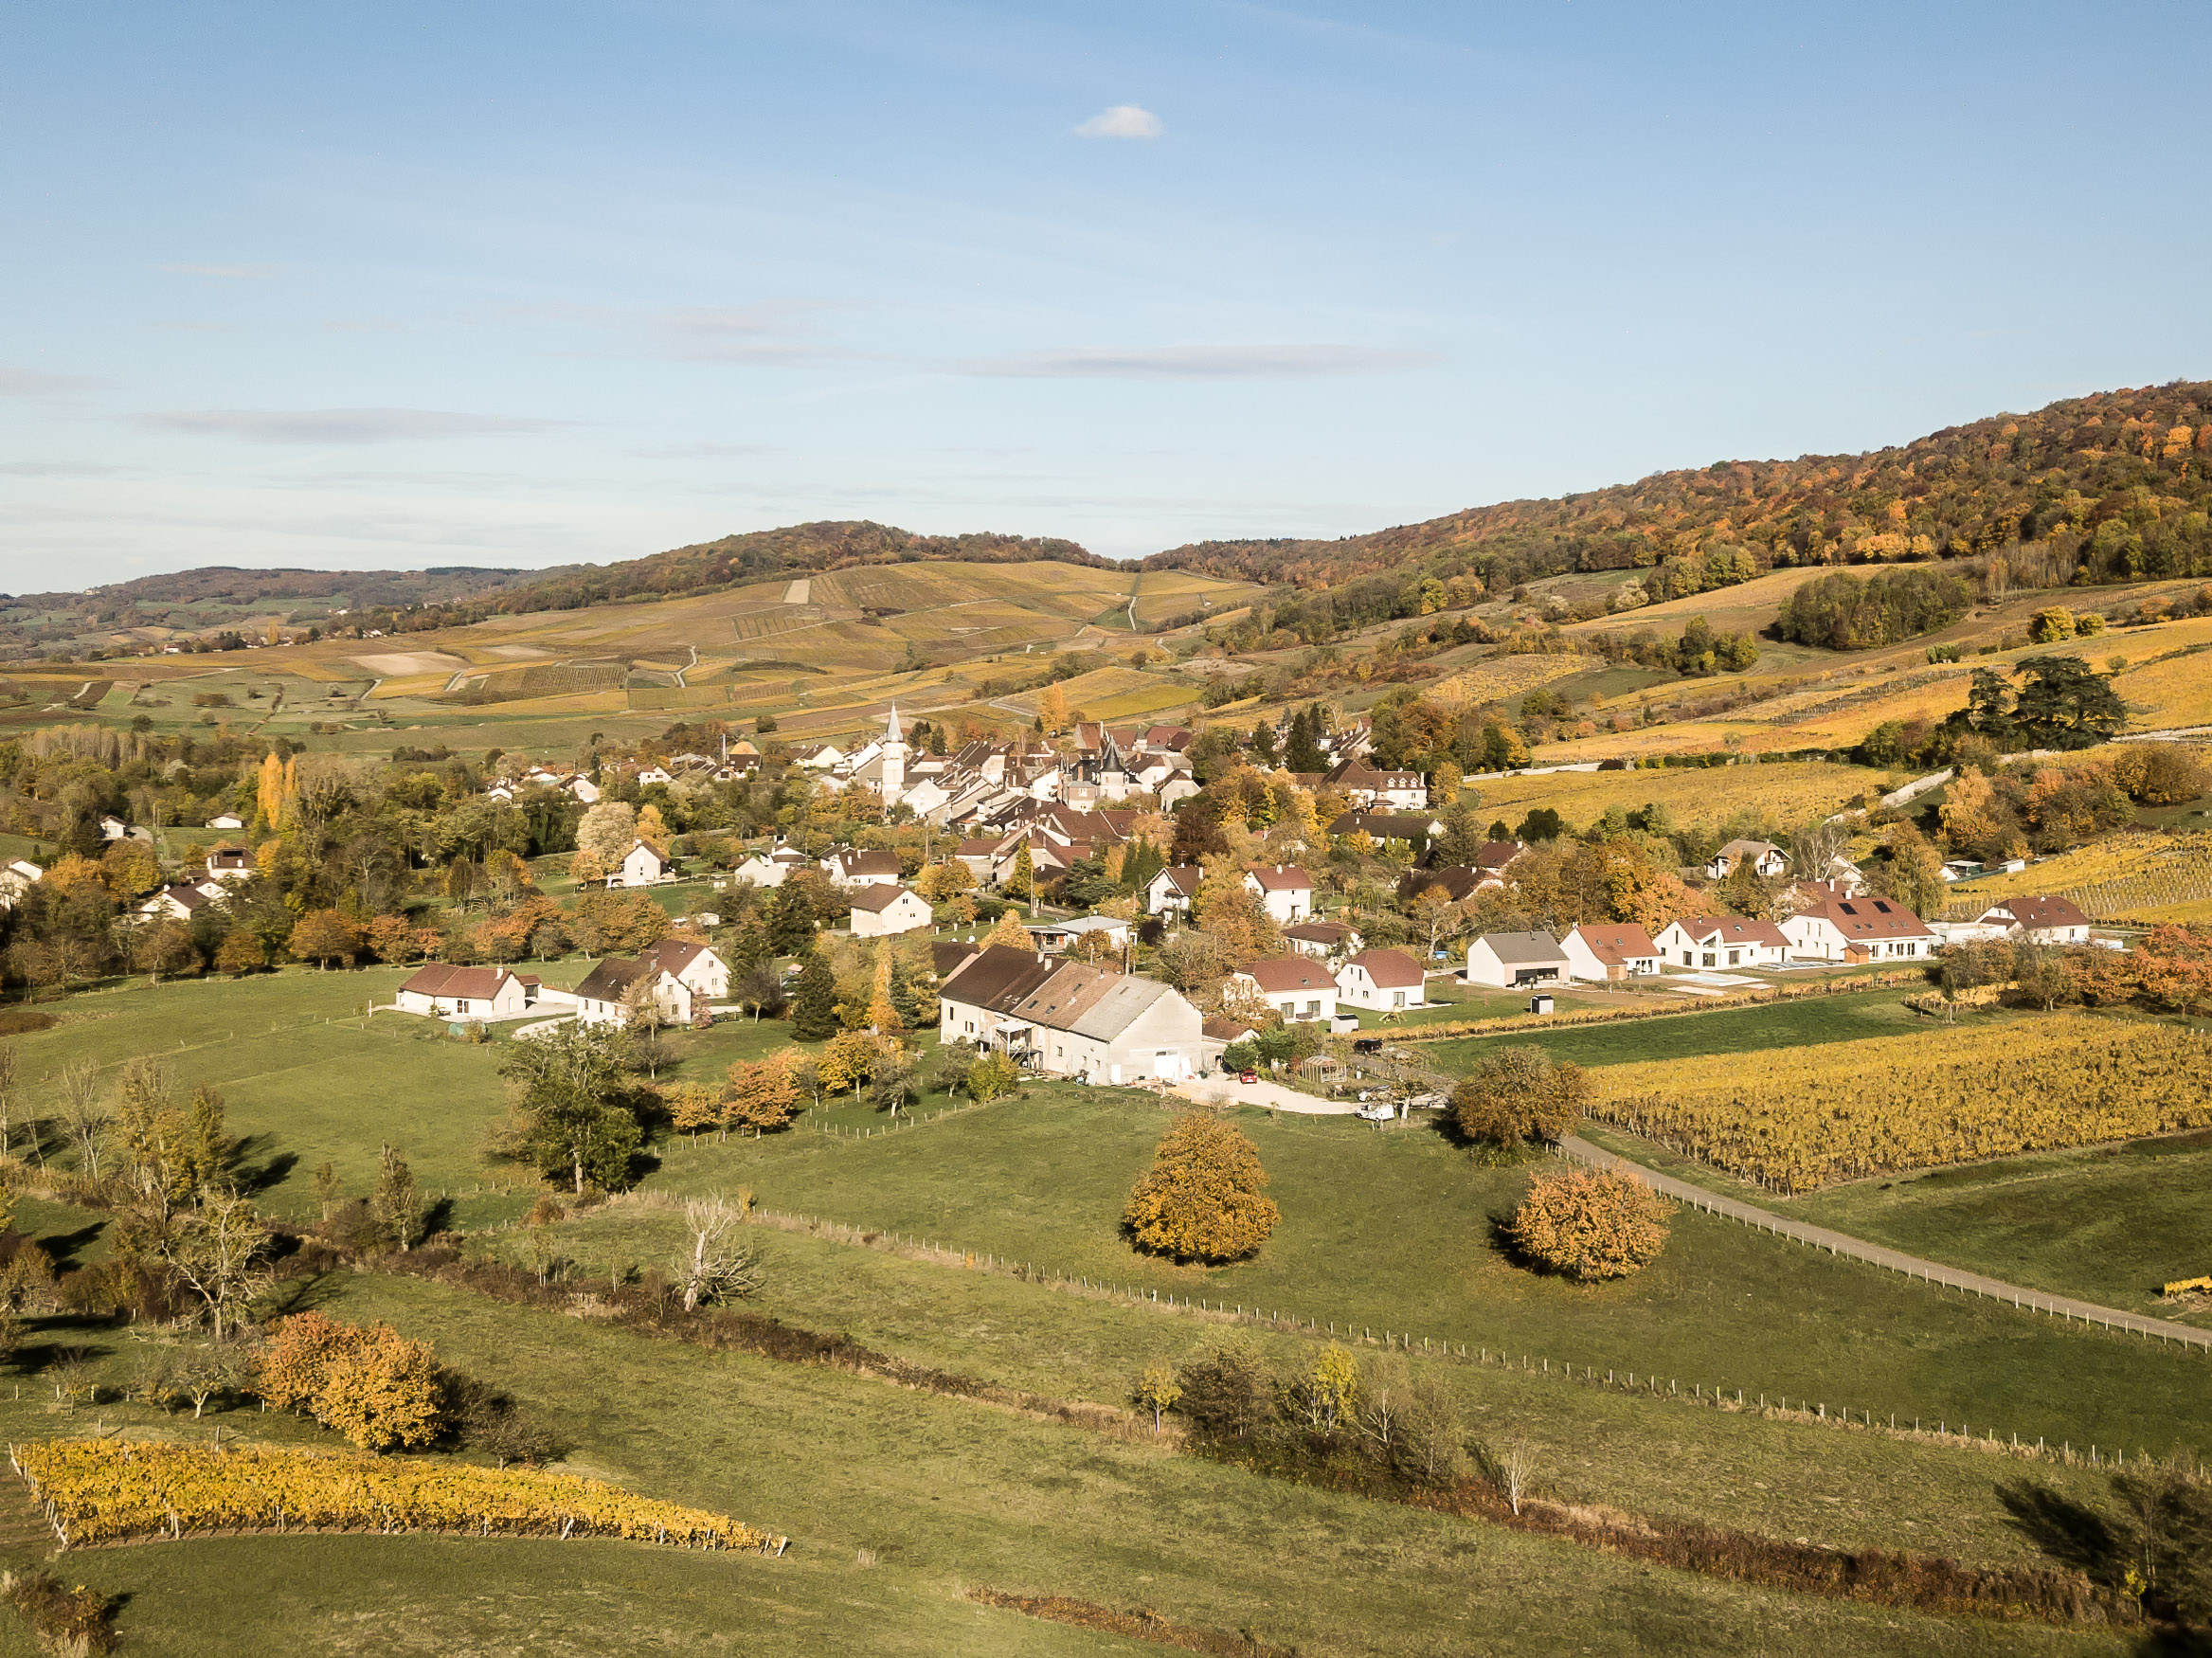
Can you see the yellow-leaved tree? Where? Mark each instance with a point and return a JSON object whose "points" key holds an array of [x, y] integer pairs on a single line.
{"points": [[1588, 1225], [1204, 1196], [1009, 931]]}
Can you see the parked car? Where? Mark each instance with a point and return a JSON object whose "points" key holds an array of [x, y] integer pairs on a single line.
{"points": [[1249, 1077], [1381, 1112]]}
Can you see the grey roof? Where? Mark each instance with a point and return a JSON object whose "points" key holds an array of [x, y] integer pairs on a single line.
{"points": [[1118, 1008], [998, 979], [1524, 946], [610, 979]]}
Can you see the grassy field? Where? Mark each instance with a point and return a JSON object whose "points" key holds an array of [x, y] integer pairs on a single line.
{"points": [[1693, 1033], [943, 1494], [2109, 1223], [1043, 1180], [305, 1082]]}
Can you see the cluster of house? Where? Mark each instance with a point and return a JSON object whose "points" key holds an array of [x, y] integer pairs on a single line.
{"points": [[682, 976], [1863, 928], [977, 785]]}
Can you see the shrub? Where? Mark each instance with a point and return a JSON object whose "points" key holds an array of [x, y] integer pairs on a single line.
{"points": [[65, 1619], [1516, 1095], [373, 1385], [1590, 1226], [1201, 1198]]}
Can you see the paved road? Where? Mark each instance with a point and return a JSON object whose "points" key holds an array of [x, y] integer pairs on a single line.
{"points": [[1835, 1243]]}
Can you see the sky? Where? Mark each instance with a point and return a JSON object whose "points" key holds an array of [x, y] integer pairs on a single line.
{"points": [[454, 283]]}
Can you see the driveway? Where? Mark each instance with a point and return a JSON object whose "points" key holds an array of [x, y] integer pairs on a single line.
{"points": [[1263, 1092]]}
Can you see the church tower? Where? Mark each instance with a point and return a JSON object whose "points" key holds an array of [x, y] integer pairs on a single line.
{"points": [[894, 760]]}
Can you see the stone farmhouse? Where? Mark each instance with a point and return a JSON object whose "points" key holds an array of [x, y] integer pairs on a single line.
{"points": [[1062, 1018]]}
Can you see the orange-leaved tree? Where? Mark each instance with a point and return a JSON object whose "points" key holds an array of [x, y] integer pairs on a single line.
{"points": [[1590, 1225], [1203, 1199], [373, 1385], [1515, 1095]]}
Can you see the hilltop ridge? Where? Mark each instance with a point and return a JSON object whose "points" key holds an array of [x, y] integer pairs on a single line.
{"points": [[2074, 464]]}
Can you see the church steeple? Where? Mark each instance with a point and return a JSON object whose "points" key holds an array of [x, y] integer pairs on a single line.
{"points": [[893, 760]]}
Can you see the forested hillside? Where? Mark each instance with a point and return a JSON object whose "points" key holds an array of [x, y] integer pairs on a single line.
{"points": [[2112, 484]]}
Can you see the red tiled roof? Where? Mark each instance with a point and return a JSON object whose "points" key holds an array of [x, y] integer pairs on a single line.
{"points": [[1389, 969], [1282, 975], [444, 978]]}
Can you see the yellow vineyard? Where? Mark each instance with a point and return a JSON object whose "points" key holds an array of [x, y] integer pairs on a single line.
{"points": [[2132, 877], [1795, 1119], [109, 1489]]}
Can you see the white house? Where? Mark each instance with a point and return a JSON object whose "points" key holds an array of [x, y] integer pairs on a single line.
{"points": [[653, 774], [641, 867], [1610, 951], [1381, 981], [852, 868], [1859, 930], [1067, 1020], [604, 997], [1765, 858], [1326, 941], [1509, 961], [2041, 921], [1298, 987], [227, 821], [581, 788], [1722, 941], [879, 910], [229, 865], [18, 878], [769, 869], [1284, 889], [440, 990], [1172, 889], [181, 900], [1058, 935], [695, 964]]}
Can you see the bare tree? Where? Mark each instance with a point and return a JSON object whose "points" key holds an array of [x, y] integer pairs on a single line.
{"points": [[1813, 851], [722, 1265], [1517, 1467], [217, 1249], [84, 1112]]}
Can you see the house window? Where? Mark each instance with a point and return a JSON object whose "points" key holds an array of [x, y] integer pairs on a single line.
{"points": [[1709, 958], [460, 1007], [1686, 961], [1313, 1009], [1732, 956], [1397, 998]]}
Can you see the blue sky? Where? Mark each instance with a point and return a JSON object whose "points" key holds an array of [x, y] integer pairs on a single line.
{"points": [[401, 284]]}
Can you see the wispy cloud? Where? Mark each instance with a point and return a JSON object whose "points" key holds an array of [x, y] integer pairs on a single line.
{"points": [[56, 469], [1197, 362], [1124, 121], [332, 425], [747, 334], [701, 451], [231, 273], [38, 383]]}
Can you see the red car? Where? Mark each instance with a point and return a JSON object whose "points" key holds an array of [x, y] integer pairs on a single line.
{"points": [[1249, 1077]]}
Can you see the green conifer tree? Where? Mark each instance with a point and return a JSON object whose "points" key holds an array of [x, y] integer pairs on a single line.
{"points": [[814, 1001]]}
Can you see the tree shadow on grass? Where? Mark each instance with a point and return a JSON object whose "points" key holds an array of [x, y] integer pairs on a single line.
{"points": [[2066, 1529], [252, 1180], [63, 1248]]}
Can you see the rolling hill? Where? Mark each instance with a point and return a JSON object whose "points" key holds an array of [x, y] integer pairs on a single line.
{"points": [[2119, 475]]}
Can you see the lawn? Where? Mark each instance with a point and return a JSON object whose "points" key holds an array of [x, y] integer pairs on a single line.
{"points": [[1398, 1230], [942, 1494]]}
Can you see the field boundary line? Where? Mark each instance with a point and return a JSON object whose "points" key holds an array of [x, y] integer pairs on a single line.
{"points": [[1577, 1149]]}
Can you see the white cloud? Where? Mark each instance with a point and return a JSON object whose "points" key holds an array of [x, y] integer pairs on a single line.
{"points": [[331, 426], [37, 383], [1124, 121], [1197, 362], [753, 334], [236, 273]]}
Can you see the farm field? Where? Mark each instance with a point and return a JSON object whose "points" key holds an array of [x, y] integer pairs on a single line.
{"points": [[2109, 1223], [1798, 1119], [943, 1494], [1786, 794], [2135, 877], [1731, 1306], [1694, 1034]]}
